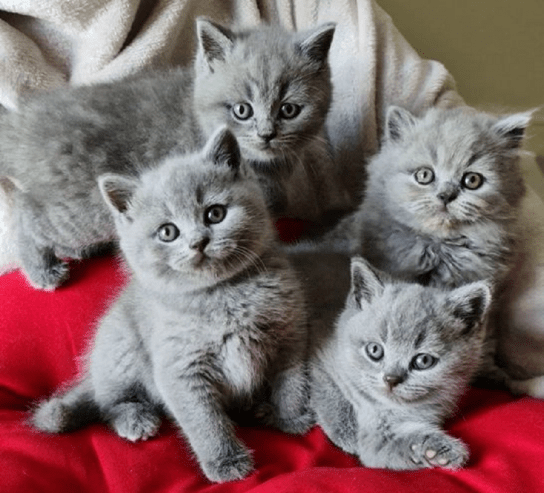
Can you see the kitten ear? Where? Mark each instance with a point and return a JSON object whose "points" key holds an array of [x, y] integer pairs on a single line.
{"points": [[117, 191], [317, 42], [512, 128], [470, 304], [397, 122], [222, 148], [365, 282], [214, 41]]}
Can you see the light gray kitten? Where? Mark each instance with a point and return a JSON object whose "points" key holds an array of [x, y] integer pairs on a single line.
{"points": [[393, 369], [212, 321], [271, 87], [443, 197]]}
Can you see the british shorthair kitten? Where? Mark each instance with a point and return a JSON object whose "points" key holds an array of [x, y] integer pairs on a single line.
{"points": [[443, 196], [272, 88], [392, 371], [212, 317]]}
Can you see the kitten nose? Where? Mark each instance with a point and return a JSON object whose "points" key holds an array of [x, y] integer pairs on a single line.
{"points": [[392, 380], [199, 244], [448, 195], [267, 135]]}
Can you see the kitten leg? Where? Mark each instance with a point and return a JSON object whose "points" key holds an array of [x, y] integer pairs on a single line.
{"points": [[406, 446], [196, 405], [531, 386], [67, 412], [334, 413], [42, 268]]}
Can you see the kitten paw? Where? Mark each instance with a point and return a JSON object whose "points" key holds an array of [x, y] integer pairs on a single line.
{"points": [[439, 450], [235, 464], [296, 425], [134, 421], [50, 277]]}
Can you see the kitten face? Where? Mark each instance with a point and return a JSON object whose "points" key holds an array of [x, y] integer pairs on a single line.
{"points": [[408, 343], [271, 88], [450, 168], [193, 221]]}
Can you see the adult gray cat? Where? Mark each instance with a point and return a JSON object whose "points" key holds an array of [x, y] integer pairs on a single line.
{"points": [[272, 88], [389, 374], [443, 196], [212, 319]]}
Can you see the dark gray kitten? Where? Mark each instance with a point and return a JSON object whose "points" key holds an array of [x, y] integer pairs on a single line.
{"points": [[443, 196], [271, 87], [212, 321], [392, 371]]}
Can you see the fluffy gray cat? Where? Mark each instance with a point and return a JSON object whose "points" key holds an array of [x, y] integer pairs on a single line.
{"points": [[389, 374], [443, 197], [212, 321], [270, 87]]}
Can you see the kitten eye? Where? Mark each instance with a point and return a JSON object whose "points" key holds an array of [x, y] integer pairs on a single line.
{"points": [[289, 110], [374, 351], [424, 176], [472, 181], [242, 111], [424, 361], [168, 232], [215, 214]]}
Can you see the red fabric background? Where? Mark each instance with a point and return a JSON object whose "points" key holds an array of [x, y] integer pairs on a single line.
{"points": [[42, 335]]}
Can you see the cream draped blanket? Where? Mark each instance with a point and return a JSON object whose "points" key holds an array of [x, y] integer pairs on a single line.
{"points": [[51, 43]]}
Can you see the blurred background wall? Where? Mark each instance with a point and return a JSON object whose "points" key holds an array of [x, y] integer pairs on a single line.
{"points": [[493, 48]]}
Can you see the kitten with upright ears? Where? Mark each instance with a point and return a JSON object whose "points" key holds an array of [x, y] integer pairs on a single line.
{"points": [[212, 321], [443, 196], [272, 88], [390, 373]]}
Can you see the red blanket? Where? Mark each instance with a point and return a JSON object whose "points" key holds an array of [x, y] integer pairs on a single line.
{"points": [[43, 335]]}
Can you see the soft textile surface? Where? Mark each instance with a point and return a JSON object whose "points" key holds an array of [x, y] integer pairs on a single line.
{"points": [[43, 335], [46, 44]]}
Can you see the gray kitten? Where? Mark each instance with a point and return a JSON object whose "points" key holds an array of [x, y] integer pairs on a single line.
{"points": [[271, 87], [443, 197], [392, 371], [212, 321]]}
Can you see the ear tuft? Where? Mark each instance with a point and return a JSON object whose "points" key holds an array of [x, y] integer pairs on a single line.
{"points": [[222, 148], [317, 42], [117, 191], [214, 41], [512, 128], [470, 304], [366, 282], [398, 122]]}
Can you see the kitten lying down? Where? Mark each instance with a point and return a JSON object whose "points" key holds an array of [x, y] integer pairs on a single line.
{"points": [[392, 370], [271, 87], [213, 318]]}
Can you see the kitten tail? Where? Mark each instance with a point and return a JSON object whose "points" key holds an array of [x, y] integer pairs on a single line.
{"points": [[67, 412]]}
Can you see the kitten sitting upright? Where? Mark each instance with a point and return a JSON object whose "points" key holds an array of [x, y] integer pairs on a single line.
{"points": [[392, 371], [443, 196], [212, 317], [272, 88]]}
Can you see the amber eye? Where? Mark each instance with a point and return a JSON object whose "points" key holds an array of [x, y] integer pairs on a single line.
{"points": [[289, 110], [424, 176], [472, 181], [215, 214], [242, 111], [424, 361], [168, 232], [374, 351]]}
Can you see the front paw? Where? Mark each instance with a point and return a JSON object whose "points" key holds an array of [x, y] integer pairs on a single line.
{"points": [[438, 450], [50, 277], [233, 463]]}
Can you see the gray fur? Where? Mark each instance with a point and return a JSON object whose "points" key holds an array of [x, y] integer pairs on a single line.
{"points": [[387, 412], [56, 145], [443, 233], [211, 322]]}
